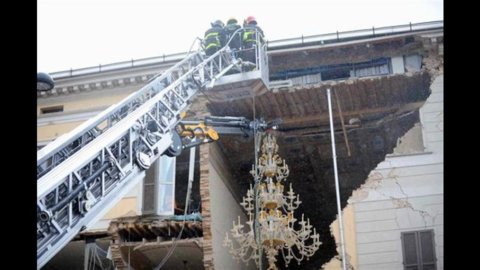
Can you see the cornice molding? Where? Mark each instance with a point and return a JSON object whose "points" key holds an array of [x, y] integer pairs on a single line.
{"points": [[95, 85]]}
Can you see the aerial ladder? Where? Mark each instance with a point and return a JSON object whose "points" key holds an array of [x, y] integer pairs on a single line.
{"points": [[84, 173]]}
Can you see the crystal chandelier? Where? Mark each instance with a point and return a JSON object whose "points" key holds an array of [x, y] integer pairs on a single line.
{"points": [[276, 221]]}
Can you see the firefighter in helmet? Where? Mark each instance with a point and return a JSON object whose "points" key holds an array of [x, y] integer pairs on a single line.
{"points": [[249, 38], [236, 40], [214, 38]]}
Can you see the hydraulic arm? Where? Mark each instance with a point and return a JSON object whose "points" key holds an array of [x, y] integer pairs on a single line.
{"points": [[194, 133]]}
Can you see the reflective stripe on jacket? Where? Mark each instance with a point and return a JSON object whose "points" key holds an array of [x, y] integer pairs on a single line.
{"points": [[249, 34], [213, 38]]}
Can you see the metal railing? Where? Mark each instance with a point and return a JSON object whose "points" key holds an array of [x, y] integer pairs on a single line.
{"points": [[272, 45], [355, 34]]}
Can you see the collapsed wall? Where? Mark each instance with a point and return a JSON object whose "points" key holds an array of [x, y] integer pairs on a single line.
{"points": [[403, 193]]}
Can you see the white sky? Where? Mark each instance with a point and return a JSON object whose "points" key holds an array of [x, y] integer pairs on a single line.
{"points": [[83, 33]]}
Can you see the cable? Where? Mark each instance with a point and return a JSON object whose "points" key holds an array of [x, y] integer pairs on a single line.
{"points": [[129, 249], [187, 199], [103, 252]]}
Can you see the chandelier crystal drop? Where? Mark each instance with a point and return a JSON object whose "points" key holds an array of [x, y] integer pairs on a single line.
{"points": [[278, 228]]}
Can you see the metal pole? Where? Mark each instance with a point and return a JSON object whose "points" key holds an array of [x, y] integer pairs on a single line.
{"points": [[256, 48], [337, 189], [256, 190]]}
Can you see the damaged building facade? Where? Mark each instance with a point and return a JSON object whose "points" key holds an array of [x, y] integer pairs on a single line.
{"points": [[387, 89]]}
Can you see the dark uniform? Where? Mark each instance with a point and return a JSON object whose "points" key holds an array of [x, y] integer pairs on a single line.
{"points": [[214, 39], [236, 42], [249, 39]]}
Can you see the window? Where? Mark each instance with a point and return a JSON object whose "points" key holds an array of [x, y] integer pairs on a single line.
{"points": [[418, 250], [52, 109], [336, 73]]}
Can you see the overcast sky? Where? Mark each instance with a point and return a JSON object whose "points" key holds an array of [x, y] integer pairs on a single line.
{"points": [[83, 33]]}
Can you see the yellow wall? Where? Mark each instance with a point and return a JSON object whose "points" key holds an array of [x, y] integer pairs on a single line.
{"points": [[51, 132], [350, 240], [85, 102], [125, 207]]}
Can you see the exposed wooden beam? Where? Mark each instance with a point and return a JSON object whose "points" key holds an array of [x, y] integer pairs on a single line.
{"points": [[345, 136], [322, 119]]}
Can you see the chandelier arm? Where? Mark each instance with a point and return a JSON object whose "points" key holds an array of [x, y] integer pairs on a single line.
{"points": [[285, 258]]}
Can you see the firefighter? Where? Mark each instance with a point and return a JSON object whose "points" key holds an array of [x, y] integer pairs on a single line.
{"points": [[249, 38], [236, 42], [214, 38]]}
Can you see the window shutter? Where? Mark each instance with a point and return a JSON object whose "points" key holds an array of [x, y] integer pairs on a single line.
{"points": [[427, 250], [418, 250], [410, 249]]}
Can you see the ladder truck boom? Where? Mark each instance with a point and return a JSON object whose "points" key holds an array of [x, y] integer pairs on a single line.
{"points": [[84, 173], [66, 145]]}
